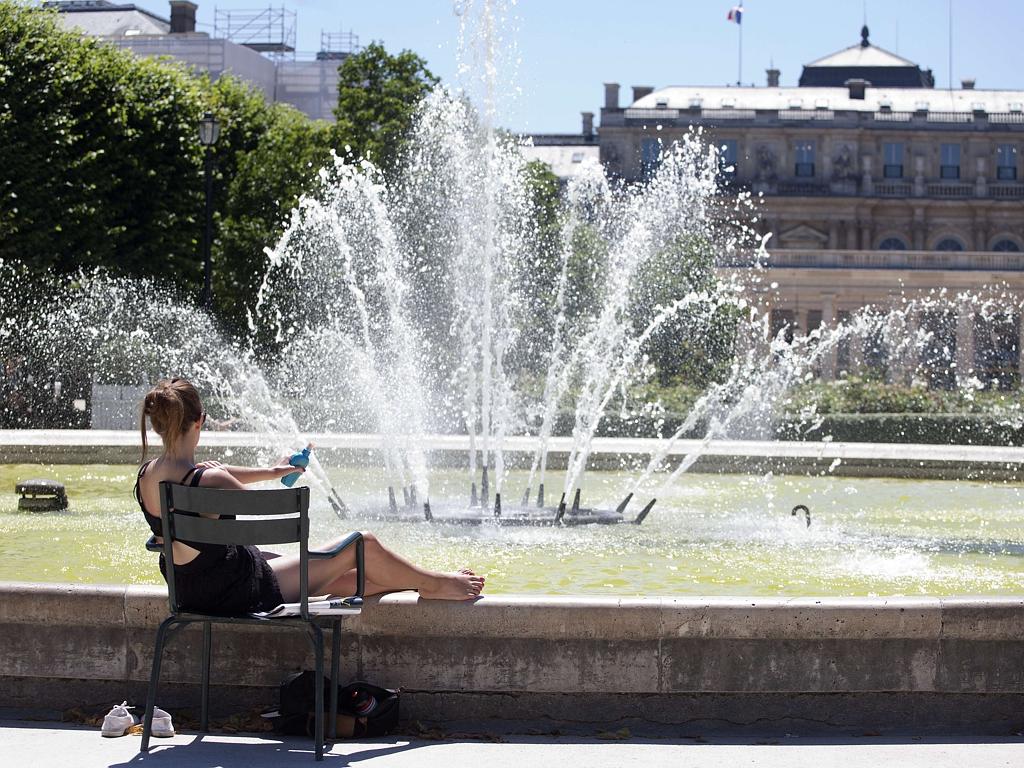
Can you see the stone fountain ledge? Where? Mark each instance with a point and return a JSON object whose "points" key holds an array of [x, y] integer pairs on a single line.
{"points": [[846, 459], [650, 663]]}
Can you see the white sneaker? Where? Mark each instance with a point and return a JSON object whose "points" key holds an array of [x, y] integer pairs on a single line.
{"points": [[118, 721], [162, 726]]}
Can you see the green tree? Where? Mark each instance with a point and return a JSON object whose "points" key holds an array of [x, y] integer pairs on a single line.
{"points": [[378, 95], [266, 157], [103, 166], [98, 167], [695, 346]]}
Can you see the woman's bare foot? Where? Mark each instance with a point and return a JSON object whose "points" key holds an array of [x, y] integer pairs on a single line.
{"points": [[464, 585]]}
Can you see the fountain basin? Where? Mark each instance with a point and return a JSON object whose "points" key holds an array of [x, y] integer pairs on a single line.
{"points": [[710, 535], [956, 462], [649, 662]]}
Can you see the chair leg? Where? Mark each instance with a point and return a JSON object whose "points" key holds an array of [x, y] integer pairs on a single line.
{"points": [[154, 680], [204, 712], [332, 726], [318, 650]]}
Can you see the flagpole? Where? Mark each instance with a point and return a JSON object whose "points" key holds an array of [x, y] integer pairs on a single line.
{"points": [[739, 70]]}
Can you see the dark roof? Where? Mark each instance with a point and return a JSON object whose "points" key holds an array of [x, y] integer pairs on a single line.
{"points": [[87, 6], [881, 68], [560, 139]]}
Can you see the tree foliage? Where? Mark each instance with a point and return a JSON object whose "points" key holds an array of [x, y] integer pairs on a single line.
{"points": [[103, 165], [378, 95], [695, 345]]}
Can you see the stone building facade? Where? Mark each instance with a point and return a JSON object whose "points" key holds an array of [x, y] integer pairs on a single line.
{"points": [[871, 193]]}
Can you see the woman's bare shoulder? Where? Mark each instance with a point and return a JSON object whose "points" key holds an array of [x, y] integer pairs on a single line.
{"points": [[218, 477]]}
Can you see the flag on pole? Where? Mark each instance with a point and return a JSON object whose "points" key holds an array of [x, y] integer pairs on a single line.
{"points": [[736, 14]]}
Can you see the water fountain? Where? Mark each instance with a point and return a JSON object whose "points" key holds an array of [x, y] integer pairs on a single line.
{"points": [[416, 303]]}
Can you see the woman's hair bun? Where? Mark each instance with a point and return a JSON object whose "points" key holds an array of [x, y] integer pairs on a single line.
{"points": [[171, 406]]}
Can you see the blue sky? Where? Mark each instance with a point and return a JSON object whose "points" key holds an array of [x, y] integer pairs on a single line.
{"points": [[568, 48]]}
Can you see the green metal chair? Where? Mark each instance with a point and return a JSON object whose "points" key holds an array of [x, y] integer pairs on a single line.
{"points": [[248, 517]]}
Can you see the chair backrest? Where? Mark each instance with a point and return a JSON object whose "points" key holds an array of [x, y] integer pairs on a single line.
{"points": [[245, 517]]}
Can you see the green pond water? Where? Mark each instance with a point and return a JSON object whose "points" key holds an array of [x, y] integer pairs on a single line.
{"points": [[710, 535]]}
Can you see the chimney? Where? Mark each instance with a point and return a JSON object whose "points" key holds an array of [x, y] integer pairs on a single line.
{"points": [[611, 95], [967, 83], [857, 86], [588, 125], [183, 17], [773, 77], [639, 91]]}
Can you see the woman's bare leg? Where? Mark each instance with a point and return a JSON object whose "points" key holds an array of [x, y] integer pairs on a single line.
{"points": [[387, 571]]}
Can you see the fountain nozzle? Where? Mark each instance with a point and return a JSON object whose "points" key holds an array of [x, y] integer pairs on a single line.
{"points": [[483, 488], [561, 510], [807, 513], [644, 512]]}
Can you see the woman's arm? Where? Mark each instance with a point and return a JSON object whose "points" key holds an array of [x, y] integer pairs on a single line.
{"points": [[246, 475]]}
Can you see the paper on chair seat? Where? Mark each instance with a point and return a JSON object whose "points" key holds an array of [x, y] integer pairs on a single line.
{"points": [[318, 606]]}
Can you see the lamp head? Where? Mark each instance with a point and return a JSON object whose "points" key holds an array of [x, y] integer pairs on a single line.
{"points": [[209, 130]]}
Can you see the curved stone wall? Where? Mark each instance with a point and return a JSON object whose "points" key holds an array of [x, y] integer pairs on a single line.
{"points": [[658, 660]]}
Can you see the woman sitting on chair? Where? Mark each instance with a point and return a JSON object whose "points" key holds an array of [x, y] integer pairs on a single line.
{"points": [[229, 579]]}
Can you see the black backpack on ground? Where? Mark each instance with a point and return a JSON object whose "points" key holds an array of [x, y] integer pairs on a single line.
{"points": [[364, 709]]}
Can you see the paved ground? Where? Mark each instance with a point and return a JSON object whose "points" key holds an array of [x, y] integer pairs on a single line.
{"points": [[43, 745]]}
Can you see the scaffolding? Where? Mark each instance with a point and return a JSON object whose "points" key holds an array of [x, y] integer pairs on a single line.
{"points": [[337, 45], [271, 31]]}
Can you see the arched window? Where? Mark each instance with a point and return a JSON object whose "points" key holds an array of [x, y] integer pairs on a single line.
{"points": [[1006, 245], [949, 244], [892, 244]]}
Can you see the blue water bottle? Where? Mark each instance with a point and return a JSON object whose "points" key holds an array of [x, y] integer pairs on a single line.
{"points": [[300, 459]]}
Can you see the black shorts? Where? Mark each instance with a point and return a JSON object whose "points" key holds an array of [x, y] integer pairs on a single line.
{"points": [[226, 581]]}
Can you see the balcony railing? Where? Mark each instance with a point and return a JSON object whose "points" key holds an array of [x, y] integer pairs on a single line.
{"points": [[806, 114], [658, 113], [950, 189], [795, 186], [810, 188], [893, 117], [1001, 121], [728, 114], [983, 261], [950, 117], [1006, 191], [893, 188]]}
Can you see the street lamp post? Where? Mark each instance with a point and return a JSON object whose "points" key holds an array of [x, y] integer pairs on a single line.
{"points": [[209, 132]]}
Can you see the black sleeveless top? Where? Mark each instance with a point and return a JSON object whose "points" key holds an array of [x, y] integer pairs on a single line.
{"points": [[225, 579], [209, 554]]}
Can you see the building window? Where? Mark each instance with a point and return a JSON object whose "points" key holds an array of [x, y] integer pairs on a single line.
{"points": [[1006, 162], [949, 167], [892, 158], [804, 154], [939, 349], [782, 321], [892, 244], [1006, 245], [728, 157], [997, 346], [949, 244], [650, 156]]}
